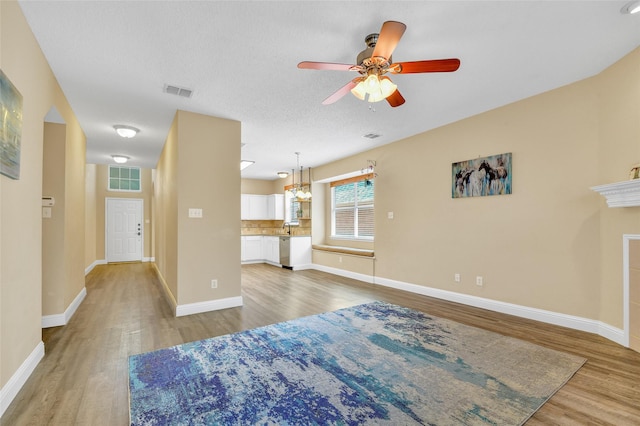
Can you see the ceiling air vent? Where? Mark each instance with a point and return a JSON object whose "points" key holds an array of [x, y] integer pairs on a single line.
{"points": [[371, 135], [178, 91]]}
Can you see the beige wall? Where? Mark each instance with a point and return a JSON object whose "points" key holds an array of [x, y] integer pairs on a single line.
{"points": [[102, 192], [166, 212], [20, 200], [199, 169], [262, 187], [618, 92], [53, 229], [90, 255], [552, 244]]}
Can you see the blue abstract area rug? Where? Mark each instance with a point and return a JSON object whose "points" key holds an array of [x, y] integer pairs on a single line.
{"points": [[370, 364]]}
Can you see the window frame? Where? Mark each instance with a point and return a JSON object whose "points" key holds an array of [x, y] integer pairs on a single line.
{"points": [[368, 205], [120, 168]]}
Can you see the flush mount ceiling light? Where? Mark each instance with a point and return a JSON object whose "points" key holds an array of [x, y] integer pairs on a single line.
{"points": [[283, 175], [120, 159], [245, 163], [631, 8], [126, 131]]}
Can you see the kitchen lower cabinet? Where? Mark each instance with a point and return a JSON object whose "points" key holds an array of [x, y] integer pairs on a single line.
{"points": [[300, 252], [251, 248], [266, 248], [272, 249]]}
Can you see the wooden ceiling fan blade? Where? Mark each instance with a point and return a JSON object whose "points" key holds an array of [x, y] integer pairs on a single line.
{"points": [[395, 99], [307, 65], [388, 39], [341, 92], [434, 65]]}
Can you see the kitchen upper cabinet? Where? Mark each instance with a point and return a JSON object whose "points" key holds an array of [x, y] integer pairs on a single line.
{"points": [[244, 206], [275, 206], [262, 207]]}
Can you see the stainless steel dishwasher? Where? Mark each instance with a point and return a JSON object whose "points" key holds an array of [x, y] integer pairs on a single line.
{"points": [[285, 246]]}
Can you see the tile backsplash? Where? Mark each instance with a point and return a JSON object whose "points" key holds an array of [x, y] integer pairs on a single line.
{"points": [[274, 227]]}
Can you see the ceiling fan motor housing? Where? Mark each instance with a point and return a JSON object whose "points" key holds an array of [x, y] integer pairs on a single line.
{"points": [[366, 60]]}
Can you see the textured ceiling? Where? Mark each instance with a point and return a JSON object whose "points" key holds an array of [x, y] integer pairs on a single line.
{"points": [[113, 59]]}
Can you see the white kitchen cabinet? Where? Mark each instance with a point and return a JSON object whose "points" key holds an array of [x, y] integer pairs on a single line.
{"points": [[300, 252], [244, 206], [275, 206], [272, 249], [262, 207], [252, 248]]}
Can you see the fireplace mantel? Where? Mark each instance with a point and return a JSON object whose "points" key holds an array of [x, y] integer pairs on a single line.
{"points": [[620, 194]]}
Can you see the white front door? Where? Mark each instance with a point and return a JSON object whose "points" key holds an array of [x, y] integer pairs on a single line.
{"points": [[124, 229]]}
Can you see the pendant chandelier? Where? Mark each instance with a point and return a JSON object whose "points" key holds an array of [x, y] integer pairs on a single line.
{"points": [[298, 190]]}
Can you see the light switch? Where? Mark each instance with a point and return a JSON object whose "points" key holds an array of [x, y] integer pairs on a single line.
{"points": [[389, 215], [46, 212], [197, 213]]}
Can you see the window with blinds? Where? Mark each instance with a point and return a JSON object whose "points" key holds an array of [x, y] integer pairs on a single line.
{"points": [[352, 209]]}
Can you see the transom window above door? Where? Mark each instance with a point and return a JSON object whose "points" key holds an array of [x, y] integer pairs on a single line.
{"points": [[126, 179]]}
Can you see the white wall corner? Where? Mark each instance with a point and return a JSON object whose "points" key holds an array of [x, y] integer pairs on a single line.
{"points": [[208, 306], [62, 319], [19, 378]]}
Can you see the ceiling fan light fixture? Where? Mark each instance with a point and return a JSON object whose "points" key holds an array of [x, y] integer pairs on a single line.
{"points": [[120, 159], [631, 7], [359, 91], [387, 87], [126, 131]]}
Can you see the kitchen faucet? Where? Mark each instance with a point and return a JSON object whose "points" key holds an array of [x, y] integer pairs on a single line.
{"points": [[289, 225]]}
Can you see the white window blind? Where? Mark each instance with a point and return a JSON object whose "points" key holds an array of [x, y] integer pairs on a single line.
{"points": [[352, 209]]}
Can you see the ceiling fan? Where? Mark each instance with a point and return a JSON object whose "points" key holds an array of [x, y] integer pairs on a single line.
{"points": [[374, 62]]}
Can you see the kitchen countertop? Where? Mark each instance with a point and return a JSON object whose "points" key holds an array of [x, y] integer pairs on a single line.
{"points": [[273, 235]]}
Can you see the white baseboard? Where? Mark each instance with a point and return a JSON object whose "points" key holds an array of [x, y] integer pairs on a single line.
{"points": [[344, 273], [570, 321], [93, 265], [104, 262], [62, 319], [303, 267], [19, 378], [210, 305]]}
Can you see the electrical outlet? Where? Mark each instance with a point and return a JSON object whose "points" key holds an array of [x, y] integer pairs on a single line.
{"points": [[214, 283], [339, 259], [456, 278], [479, 280]]}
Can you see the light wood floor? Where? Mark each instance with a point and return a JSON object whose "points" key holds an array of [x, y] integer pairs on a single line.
{"points": [[83, 378]]}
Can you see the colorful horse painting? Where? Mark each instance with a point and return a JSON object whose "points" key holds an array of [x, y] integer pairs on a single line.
{"points": [[482, 176]]}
